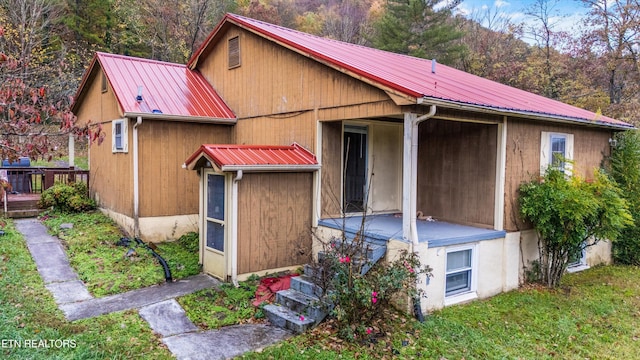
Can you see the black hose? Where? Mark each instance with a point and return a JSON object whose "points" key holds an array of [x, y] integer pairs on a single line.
{"points": [[167, 271], [417, 309]]}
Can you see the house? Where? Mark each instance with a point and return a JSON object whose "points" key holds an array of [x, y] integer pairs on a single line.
{"points": [[311, 128]]}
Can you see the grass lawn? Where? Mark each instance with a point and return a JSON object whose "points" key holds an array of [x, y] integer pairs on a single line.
{"points": [[102, 265], [595, 314], [30, 318]]}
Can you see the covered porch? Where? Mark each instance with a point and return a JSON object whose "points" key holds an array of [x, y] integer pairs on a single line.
{"points": [[384, 227]]}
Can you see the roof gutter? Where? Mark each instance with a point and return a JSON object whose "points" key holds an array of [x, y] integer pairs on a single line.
{"points": [[270, 168], [186, 118], [531, 115]]}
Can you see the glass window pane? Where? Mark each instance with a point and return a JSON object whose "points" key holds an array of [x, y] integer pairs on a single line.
{"points": [[459, 260], [215, 199], [458, 282], [215, 236], [558, 152], [118, 138]]}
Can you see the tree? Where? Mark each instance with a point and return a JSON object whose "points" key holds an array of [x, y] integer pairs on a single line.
{"points": [[570, 214], [415, 28], [615, 38], [625, 170], [34, 97]]}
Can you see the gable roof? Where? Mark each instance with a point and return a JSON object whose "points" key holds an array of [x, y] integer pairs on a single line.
{"points": [[413, 77], [170, 91], [255, 158]]}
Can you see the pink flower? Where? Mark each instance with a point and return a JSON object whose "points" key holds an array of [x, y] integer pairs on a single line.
{"points": [[344, 259], [374, 294], [374, 300], [301, 317], [369, 331]]}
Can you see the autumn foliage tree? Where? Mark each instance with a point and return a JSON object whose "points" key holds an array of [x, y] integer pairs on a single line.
{"points": [[31, 114]]}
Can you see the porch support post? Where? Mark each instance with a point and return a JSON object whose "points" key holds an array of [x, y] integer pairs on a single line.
{"points": [[407, 211], [72, 150], [410, 174], [501, 156]]}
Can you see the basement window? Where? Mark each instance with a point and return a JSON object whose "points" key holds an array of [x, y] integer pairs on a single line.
{"points": [[119, 138], [461, 274], [234, 52]]}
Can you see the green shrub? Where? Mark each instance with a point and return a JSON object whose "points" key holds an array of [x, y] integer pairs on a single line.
{"points": [[625, 170], [570, 214], [67, 198]]}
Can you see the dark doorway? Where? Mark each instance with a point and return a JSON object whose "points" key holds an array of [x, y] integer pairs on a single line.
{"points": [[355, 168]]}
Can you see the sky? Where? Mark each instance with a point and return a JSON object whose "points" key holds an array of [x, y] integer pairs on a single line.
{"points": [[567, 14]]}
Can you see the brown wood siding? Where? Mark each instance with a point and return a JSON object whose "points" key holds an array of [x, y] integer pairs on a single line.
{"points": [[590, 147], [276, 130], [456, 171], [283, 87], [274, 220], [111, 174], [331, 169], [165, 187]]}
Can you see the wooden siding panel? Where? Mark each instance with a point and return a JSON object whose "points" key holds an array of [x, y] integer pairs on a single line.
{"points": [[591, 147], [276, 80], [165, 187], [456, 171], [274, 221], [278, 130], [111, 174], [331, 169]]}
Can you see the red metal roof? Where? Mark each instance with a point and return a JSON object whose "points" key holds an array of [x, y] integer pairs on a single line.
{"points": [[413, 76], [255, 157], [167, 89]]}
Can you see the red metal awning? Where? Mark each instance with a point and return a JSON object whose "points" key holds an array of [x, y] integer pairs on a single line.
{"points": [[254, 158]]}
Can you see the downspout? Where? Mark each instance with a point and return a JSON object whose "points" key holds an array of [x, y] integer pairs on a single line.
{"points": [[136, 190], [234, 228], [410, 179]]}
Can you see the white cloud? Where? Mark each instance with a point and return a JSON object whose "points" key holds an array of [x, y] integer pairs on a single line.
{"points": [[501, 3]]}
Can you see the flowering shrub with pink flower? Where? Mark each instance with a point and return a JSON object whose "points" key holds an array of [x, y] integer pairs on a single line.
{"points": [[359, 299]]}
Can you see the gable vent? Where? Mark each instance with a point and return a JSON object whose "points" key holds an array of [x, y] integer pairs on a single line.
{"points": [[234, 52]]}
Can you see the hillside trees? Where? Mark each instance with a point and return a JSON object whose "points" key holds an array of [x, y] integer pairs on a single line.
{"points": [[416, 28], [34, 86]]}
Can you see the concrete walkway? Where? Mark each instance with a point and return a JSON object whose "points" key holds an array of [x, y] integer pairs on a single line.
{"points": [[156, 304]]}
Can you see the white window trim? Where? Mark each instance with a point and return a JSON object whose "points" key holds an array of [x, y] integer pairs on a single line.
{"points": [[545, 151], [471, 294], [125, 136], [581, 264]]}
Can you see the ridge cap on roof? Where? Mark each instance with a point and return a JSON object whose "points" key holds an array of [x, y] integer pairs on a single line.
{"points": [[100, 54]]}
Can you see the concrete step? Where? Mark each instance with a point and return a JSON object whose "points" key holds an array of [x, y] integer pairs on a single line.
{"points": [[308, 305], [285, 318], [305, 285], [17, 214]]}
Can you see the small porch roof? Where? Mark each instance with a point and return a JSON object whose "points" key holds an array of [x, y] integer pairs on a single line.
{"points": [[254, 158], [382, 228]]}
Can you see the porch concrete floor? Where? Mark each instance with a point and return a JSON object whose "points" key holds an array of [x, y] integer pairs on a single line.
{"points": [[389, 226]]}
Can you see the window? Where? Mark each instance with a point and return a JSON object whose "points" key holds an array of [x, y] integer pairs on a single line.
{"points": [[555, 150], [119, 130], [234, 52], [460, 271], [103, 83]]}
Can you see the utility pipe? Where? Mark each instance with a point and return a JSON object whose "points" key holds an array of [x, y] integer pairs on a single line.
{"points": [[414, 172], [136, 190], [234, 228]]}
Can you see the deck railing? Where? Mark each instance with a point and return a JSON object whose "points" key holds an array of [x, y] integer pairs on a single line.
{"points": [[27, 180]]}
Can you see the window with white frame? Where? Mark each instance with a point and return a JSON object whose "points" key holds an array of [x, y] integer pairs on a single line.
{"points": [[119, 138], [460, 271], [556, 149]]}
